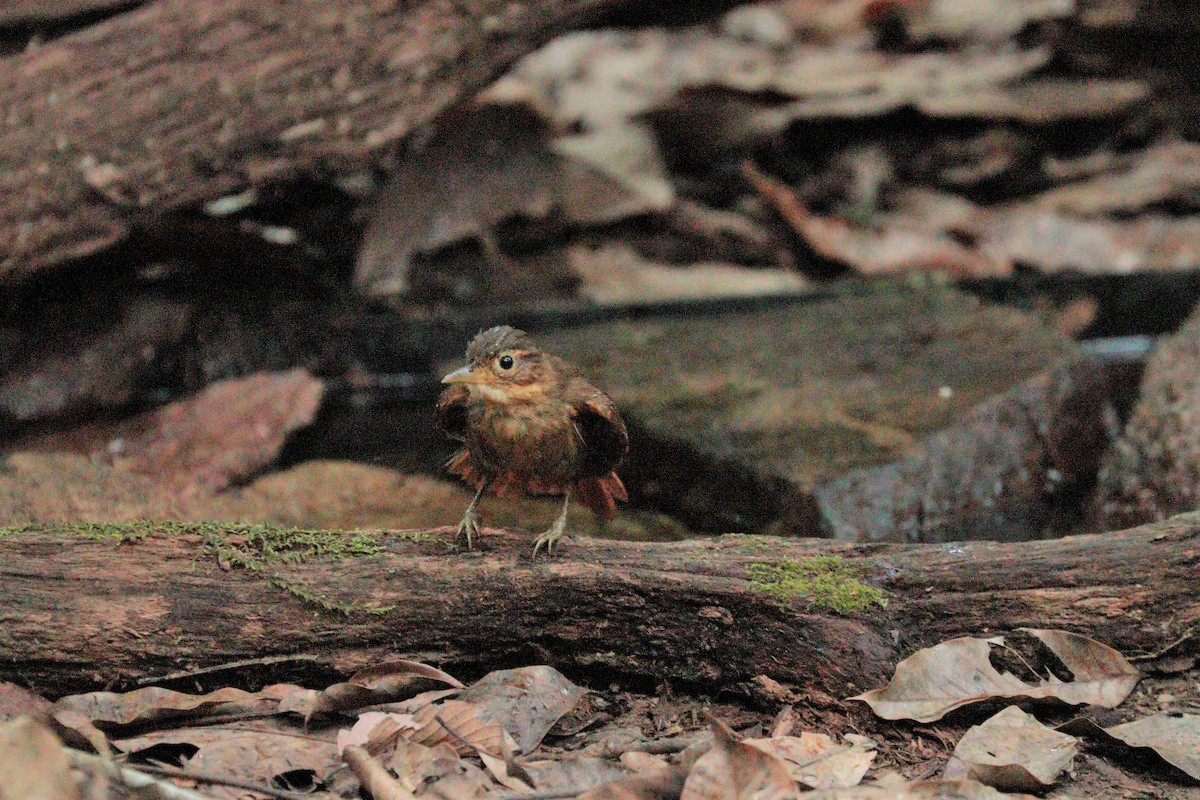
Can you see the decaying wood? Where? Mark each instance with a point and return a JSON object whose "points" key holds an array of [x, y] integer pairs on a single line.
{"points": [[185, 100], [80, 612]]}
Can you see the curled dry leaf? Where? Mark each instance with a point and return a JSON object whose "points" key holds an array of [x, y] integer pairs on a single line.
{"points": [[33, 763], [526, 701], [816, 761], [934, 681], [1012, 751], [381, 683], [734, 770], [154, 704], [1175, 738]]}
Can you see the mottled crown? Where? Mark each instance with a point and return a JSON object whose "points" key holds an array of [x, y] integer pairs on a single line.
{"points": [[490, 343]]}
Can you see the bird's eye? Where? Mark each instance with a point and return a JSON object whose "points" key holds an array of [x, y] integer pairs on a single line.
{"points": [[505, 362]]}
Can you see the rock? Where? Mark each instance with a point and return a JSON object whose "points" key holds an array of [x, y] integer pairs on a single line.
{"points": [[1153, 469], [1018, 467], [736, 416]]}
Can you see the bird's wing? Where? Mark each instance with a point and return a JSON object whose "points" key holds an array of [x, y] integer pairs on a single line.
{"points": [[451, 411], [600, 426]]}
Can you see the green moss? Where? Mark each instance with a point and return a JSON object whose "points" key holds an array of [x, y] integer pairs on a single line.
{"points": [[824, 581], [254, 548], [258, 548]]}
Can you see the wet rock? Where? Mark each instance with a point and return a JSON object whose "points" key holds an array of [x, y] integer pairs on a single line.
{"points": [[1153, 469], [735, 416], [1018, 467]]}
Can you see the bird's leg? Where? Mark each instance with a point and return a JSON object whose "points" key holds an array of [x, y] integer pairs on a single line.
{"points": [[470, 521], [555, 531]]}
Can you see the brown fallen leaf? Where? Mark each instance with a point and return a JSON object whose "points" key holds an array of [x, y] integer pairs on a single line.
{"points": [[525, 701], [916, 790], [735, 770], [934, 681], [577, 775], [259, 757], [816, 761], [33, 763], [373, 776], [889, 250], [154, 704], [665, 783], [1013, 752], [1170, 170], [381, 683], [1174, 738], [374, 731], [459, 725]]}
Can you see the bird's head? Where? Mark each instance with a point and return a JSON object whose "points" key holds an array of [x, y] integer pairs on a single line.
{"points": [[501, 361]]}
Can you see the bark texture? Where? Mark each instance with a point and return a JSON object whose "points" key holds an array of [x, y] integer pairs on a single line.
{"points": [[182, 101], [77, 612]]}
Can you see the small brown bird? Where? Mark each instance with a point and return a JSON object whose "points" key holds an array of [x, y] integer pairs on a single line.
{"points": [[531, 424]]}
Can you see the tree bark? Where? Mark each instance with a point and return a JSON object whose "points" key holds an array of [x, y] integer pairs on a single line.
{"points": [[186, 100], [78, 612]]}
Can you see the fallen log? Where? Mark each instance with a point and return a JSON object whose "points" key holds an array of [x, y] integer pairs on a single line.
{"points": [[183, 101], [89, 606]]}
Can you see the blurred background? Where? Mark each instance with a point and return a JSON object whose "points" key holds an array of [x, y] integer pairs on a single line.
{"points": [[905, 271]]}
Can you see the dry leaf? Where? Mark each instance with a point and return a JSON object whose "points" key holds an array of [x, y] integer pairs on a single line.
{"points": [[916, 790], [1175, 738], [734, 770], [374, 730], [33, 763], [373, 777], [17, 701], [381, 683], [1013, 752], [526, 701], [934, 681], [661, 784], [154, 704], [1166, 171], [616, 273], [459, 725], [575, 775], [816, 761], [437, 772], [254, 756], [637, 761]]}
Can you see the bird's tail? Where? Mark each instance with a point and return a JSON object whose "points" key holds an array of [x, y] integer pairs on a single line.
{"points": [[601, 494]]}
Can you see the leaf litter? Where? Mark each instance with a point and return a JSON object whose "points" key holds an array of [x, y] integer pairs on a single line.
{"points": [[496, 737]]}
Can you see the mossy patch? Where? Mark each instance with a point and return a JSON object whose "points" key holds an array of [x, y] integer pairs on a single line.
{"points": [[258, 548], [254, 548], [115, 532], [824, 581]]}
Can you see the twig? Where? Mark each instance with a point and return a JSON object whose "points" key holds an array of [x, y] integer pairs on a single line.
{"points": [[131, 778], [559, 795], [249, 662], [218, 780]]}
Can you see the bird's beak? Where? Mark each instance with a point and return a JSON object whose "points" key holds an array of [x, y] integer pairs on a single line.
{"points": [[462, 375]]}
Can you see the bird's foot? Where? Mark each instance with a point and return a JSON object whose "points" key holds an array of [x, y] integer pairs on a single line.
{"points": [[551, 537], [468, 528]]}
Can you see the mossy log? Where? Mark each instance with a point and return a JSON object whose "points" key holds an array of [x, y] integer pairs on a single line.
{"points": [[182, 101], [109, 606]]}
